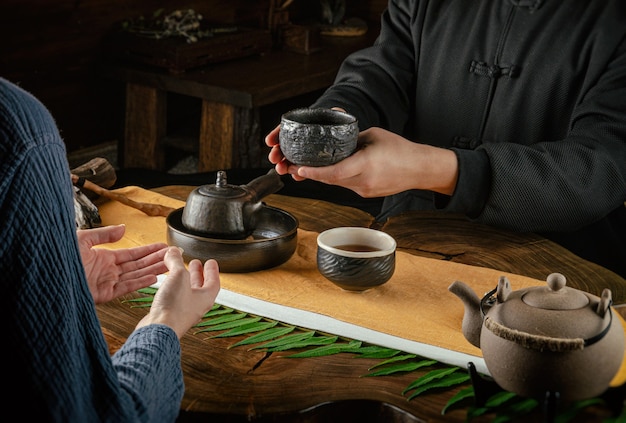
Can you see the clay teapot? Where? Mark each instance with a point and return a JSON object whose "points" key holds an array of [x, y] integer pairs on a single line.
{"points": [[544, 340], [227, 211]]}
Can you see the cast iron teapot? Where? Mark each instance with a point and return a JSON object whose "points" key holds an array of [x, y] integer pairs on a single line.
{"points": [[544, 340], [227, 211]]}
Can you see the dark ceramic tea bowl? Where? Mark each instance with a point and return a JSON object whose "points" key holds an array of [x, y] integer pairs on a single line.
{"points": [[317, 136], [355, 258]]}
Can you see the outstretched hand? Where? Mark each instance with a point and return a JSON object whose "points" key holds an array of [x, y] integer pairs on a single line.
{"points": [[185, 295], [381, 156], [113, 273]]}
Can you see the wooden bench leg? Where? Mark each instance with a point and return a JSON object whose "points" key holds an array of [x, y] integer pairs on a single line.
{"points": [[217, 136], [230, 137], [145, 127]]}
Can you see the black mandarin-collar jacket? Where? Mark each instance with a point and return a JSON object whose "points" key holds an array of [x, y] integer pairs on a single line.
{"points": [[531, 96]]}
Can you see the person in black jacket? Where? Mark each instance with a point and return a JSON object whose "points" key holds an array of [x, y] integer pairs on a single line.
{"points": [[511, 112]]}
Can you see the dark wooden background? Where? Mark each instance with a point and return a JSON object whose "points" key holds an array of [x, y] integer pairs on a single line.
{"points": [[52, 48]]}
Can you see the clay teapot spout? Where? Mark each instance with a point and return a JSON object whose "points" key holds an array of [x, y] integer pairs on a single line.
{"points": [[472, 318]]}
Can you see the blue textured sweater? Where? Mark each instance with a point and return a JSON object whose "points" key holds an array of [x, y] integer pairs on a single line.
{"points": [[52, 338]]}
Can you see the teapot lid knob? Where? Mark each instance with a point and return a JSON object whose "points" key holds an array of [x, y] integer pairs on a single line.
{"points": [[221, 180], [556, 296], [556, 281]]}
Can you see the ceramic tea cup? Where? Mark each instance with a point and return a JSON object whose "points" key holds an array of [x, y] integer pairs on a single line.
{"points": [[356, 258], [317, 136]]}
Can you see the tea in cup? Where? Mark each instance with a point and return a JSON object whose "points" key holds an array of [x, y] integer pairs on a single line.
{"points": [[356, 258]]}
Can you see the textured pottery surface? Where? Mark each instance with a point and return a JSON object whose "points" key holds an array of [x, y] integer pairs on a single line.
{"points": [[356, 270], [272, 242], [543, 340], [317, 137], [222, 210]]}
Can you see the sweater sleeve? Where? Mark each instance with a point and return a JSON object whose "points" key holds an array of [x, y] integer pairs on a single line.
{"points": [[65, 372], [149, 363]]}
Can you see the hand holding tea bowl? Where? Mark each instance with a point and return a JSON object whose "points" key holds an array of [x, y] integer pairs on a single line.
{"points": [[317, 136], [356, 258]]}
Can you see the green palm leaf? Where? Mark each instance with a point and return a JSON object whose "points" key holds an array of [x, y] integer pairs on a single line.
{"points": [[394, 360], [445, 382], [576, 407], [507, 406], [429, 377], [247, 328], [374, 351], [229, 325], [286, 340], [519, 408], [402, 367], [264, 336], [458, 397], [499, 399], [312, 341], [223, 319], [217, 311], [327, 350]]}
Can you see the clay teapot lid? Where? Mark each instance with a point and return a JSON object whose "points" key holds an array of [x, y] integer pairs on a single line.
{"points": [[555, 296], [222, 188], [563, 313]]}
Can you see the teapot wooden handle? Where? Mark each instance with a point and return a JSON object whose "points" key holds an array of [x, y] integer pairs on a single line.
{"points": [[532, 341], [605, 302]]}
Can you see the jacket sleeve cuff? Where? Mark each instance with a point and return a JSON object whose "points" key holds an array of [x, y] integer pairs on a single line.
{"points": [[472, 187]]}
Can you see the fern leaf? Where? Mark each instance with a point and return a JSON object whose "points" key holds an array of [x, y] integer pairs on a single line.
{"points": [[430, 376], [223, 319], [312, 341], [217, 311], [394, 360], [374, 351], [296, 337], [247, 328], [450, 380], [402, 367], [327, 350], [230, 325], [460, 396], [264, 336]]}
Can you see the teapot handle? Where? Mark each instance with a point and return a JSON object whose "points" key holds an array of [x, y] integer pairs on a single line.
{"points": [[265, 185], [605, 302]]}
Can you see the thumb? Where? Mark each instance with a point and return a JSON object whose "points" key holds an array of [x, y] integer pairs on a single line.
{"points": [[105, 234], [174, 258]]}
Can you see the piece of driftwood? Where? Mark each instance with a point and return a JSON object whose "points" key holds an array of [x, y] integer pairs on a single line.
{"points": [[99, 171], [147, 208], [86, 213]]}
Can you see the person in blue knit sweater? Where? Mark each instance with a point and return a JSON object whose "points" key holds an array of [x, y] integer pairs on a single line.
{"points": [[52, 277]]}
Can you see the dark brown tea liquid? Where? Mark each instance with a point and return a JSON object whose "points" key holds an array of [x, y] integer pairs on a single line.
{"points": [[356, 248]]}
